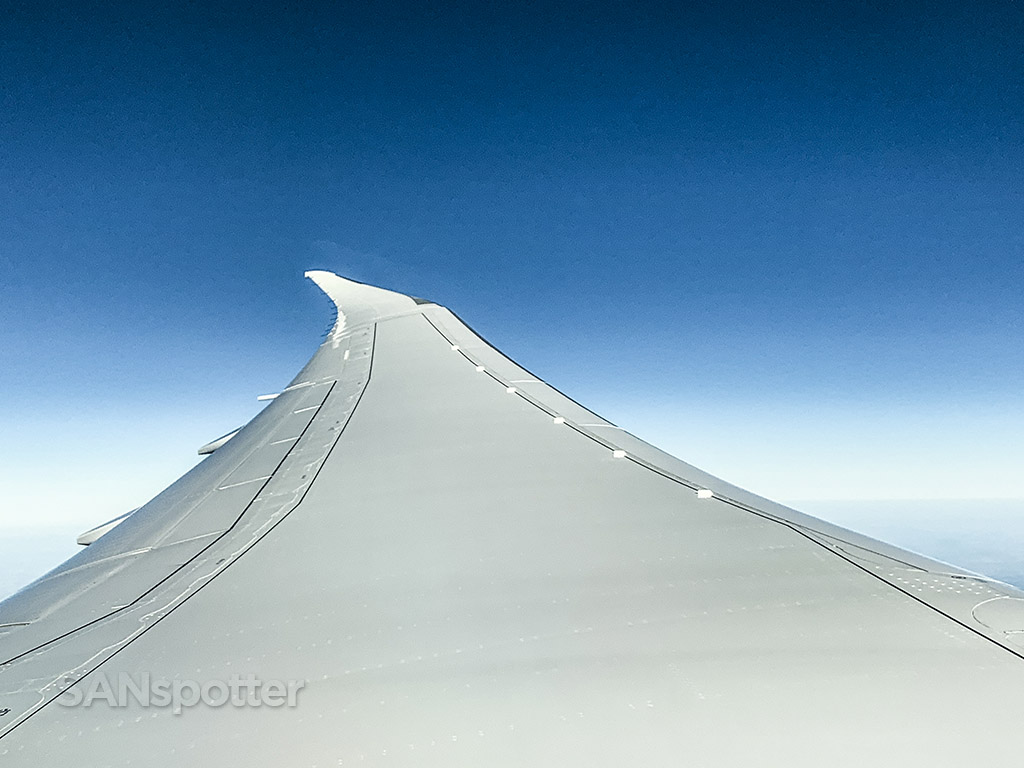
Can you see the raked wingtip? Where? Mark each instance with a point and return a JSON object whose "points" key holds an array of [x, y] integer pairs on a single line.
{"points": [[359, 303]]}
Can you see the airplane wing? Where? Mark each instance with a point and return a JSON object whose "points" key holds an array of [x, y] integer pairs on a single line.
{"points": [[426, 555]]}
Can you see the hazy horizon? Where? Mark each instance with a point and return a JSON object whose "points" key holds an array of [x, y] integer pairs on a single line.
{"points": [[783, 244], [981, 535]]}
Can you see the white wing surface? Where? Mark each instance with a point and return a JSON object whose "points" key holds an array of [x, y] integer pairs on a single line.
{"points": [[457, 565]]}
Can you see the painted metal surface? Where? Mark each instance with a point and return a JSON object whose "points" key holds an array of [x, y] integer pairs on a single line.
{"points": [[465, 567]]}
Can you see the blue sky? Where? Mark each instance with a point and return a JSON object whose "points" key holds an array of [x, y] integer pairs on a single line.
{"points": [[782, 242]]}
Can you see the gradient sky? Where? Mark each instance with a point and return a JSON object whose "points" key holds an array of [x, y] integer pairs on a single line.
{"points": [[781, 241]]}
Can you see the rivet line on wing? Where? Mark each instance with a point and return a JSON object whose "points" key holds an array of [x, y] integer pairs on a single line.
{"points": [[512, 389], [707, 493]]}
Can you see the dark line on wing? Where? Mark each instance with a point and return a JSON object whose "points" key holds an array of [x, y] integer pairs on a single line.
{"points": [[369, 375], [188, 562], [517, 365], [725, 499]]}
